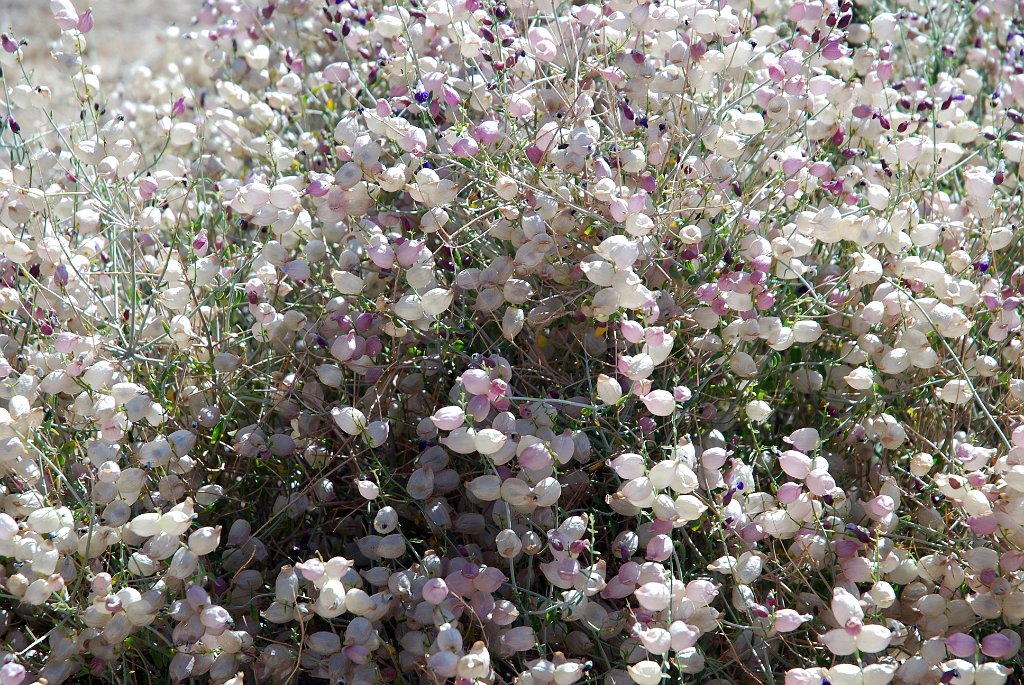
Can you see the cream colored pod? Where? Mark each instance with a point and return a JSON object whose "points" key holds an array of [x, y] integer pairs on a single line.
{"points": [[204, 540], [436, 301], [608, 389], [955, 392], [349, 419], [758, 411], [645, 672], [861, 378], [183, 133]]}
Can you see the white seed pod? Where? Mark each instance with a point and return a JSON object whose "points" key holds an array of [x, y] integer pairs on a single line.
{"points": [[204, 540], [488, 441], [386, 520], [349, 419]]}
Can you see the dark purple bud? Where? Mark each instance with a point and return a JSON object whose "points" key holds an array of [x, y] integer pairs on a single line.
{"points": [[579, 546], [859, 533], [727, 498]]}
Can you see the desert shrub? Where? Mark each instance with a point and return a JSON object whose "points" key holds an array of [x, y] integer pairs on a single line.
{"points": [[514, 341]]}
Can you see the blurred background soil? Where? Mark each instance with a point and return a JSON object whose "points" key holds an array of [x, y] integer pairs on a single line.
{"points": [[126, 32]]}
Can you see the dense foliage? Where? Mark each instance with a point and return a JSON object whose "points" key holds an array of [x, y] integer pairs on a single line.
{"points": [[510, 341]]}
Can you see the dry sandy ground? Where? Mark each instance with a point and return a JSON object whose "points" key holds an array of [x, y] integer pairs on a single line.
{"points": [[125, 32]]}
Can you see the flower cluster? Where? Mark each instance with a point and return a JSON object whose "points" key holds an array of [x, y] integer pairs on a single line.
{"points": [[490, 341]]}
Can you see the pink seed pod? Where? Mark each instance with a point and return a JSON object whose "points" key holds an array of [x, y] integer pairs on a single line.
{"points": [[998, 646], [961, 645], [435, 591], [789, 492], [448, 418], [476, 381], [12, 674], [787, 620], [795, 464], [659, 548]]}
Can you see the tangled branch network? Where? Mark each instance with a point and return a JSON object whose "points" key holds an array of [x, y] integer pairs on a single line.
{"points": [[495, 342]]}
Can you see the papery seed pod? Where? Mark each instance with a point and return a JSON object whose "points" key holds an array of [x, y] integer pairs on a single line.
{"points": [[386, 520]]}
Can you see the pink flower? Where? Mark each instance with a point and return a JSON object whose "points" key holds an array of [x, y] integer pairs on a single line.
{"points": [[85, 21]]}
